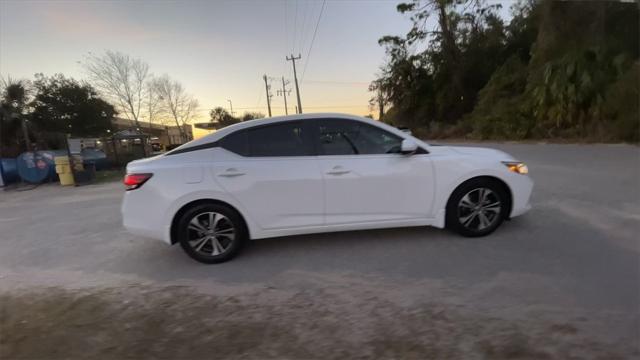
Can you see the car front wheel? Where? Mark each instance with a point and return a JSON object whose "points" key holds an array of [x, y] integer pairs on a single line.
{"points": [[212, 233], [477, 208]]}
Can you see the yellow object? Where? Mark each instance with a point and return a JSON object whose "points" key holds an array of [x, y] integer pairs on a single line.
{"points": [[61, 160], [63, 168]]}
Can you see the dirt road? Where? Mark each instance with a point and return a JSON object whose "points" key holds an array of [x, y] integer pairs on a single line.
{"points": [[563, 281]]}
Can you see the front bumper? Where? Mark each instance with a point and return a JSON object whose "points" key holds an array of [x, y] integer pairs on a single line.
{"points": [[521, 189]]}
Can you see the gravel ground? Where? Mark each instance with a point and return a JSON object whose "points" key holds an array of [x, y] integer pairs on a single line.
{"points": [[561, 282]]}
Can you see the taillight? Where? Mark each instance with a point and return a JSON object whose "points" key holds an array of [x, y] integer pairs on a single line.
{"points": [[134, 181]]}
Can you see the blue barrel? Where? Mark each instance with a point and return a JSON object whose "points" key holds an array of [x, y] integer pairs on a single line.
{"points": [[8, 171], [36, 167]]}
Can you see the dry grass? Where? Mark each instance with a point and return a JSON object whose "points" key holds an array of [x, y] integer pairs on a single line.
{"points": [[174, 322]]}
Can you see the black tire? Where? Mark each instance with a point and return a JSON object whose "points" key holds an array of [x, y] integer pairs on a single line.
{"points": [[459, 216], [225, 247]]}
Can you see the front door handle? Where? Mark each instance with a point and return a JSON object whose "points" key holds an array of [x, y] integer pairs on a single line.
{"points": [[338, 170], [231, 172]]}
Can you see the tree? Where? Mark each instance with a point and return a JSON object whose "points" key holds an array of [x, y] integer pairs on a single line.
{"points": [[154, 104], [379, 100], [252, 116], [180, 106], [14, 106], [222, 117], [121, 79], [441, 82], [66, 105]]}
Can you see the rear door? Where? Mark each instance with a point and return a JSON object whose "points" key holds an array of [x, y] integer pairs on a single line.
{"points": [[366, 178], [274, 175]]}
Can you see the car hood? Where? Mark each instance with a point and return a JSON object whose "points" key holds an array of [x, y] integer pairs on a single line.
{"points": [[486, 153]]}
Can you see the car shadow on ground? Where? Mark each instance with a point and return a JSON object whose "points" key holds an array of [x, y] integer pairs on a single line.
{"points": [[412, 252]]}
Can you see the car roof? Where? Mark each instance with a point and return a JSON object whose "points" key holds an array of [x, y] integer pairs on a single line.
{"points": [[276, 119]]}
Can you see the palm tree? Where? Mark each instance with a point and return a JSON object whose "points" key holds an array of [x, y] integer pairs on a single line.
{"points": [[15, 94]]}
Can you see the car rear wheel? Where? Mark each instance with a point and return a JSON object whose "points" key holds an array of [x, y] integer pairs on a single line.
{"points": [[477, 208], [211, 233]]}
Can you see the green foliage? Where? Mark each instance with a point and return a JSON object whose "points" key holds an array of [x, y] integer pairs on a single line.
{"points": [[440, 83], [502, 111], [252, 116], [14, 107], [571, 94], [557, 69], [622, 105], [64, 105], [222, 117]]}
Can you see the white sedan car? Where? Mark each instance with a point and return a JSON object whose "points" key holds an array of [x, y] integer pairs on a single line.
{"points": [[316, 173]]}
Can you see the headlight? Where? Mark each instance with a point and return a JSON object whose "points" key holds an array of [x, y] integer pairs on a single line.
{"points": [[516, 167]]}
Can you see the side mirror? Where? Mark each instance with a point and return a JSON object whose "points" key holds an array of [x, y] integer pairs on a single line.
{"points": [[408, 147]]}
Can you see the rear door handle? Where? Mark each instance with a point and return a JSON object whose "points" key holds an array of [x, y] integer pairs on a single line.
{"points": [[231, 172]]}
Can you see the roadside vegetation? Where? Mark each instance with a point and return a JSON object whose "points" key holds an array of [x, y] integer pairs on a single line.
{"points": [[222, 117], [42, 112], [555, 70]]}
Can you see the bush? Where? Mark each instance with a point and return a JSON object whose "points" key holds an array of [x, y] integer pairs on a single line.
{"points": [[622, 105]]}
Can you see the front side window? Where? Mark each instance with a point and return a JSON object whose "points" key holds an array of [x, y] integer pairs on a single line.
{"points": [[350, 137]]}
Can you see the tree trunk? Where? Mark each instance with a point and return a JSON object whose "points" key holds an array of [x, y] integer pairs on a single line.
{"points": [[380, 106], [25, 133], [452, 52]]}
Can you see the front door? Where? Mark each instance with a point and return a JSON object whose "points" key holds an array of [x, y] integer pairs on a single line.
{"points": [[366, 178]]}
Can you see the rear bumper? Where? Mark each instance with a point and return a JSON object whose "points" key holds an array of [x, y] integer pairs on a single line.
{"points": [[143, 219]]}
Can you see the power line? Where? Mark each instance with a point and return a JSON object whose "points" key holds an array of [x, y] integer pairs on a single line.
{"points": [[295, 27], [313, 39], [330, 82], [286, 28], [334, 106], [304, 27], [243, 108], [282, 107]]}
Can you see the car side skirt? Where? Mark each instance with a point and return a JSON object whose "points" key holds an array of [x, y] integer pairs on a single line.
{"points": [[261, 234]]}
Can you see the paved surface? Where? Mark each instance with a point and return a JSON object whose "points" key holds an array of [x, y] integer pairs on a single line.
{"points": [[571, 264]]}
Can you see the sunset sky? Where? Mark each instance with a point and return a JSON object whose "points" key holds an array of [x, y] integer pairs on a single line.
{"points": [[219, 50]]}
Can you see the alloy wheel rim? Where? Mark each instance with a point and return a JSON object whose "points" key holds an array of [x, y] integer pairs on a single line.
{"points": [[211, 233], [479, 209]]}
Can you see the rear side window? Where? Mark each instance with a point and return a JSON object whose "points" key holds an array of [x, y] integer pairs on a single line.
{"points": [[236, 143], [285, 139], [349, 137]]}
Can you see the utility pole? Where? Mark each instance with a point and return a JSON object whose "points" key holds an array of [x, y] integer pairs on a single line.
{"points": [[284, 94], [230, 107], [266, 87], [295, 77]]}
